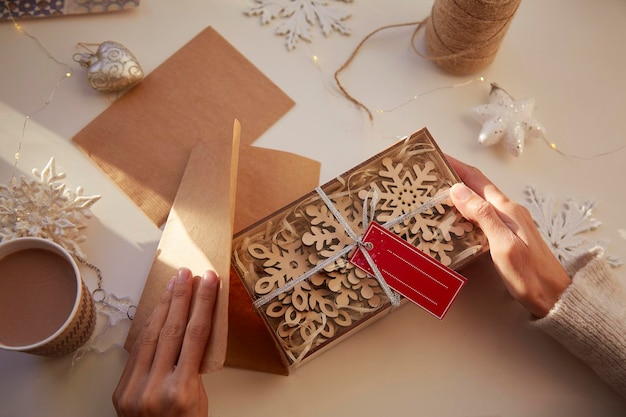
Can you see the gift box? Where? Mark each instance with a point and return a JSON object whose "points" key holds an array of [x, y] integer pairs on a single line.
{"points": [[22, 9], [298, 265]]}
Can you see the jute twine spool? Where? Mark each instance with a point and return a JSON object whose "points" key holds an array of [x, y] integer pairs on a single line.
{"points": [[463, 36]]}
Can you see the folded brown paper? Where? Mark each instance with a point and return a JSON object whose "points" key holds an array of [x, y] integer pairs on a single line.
{"points": [[197, 235], [143, 140], [267, 180]]}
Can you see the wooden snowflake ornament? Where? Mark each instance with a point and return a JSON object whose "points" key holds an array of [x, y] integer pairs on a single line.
{"points": [[508, 120]]}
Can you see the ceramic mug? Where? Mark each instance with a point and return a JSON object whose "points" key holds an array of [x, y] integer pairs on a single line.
{"points": [[45, 307]]}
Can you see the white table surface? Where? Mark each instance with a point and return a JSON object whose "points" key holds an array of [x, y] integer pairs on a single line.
{"points": [[482, 359]]}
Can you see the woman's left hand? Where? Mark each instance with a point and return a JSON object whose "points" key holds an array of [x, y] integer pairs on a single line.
{"points": [[162, 376]]}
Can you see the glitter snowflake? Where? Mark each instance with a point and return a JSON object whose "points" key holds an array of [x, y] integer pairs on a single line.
{"points": [[111, 312], [43, 207], [562, 229], [299, 16]]}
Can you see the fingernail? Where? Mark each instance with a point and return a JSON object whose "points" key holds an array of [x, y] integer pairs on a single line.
{"points": [[170, 285], [460, 191], [211, 277], [183, 275]]}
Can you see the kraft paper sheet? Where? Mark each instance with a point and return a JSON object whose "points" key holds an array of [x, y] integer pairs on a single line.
{"points": [[197, 235], [144, 139]]}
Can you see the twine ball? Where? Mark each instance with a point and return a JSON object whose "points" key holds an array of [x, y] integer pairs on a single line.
{"points": [[463, 36]]}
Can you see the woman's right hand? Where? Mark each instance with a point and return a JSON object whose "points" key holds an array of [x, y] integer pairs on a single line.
{"points": [[531, 273]]}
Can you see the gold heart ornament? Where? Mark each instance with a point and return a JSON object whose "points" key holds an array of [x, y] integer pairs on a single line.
{"points": [[111, 68]]}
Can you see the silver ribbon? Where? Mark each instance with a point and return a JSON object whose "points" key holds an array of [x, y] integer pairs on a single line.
{"points": [[358, 243]]}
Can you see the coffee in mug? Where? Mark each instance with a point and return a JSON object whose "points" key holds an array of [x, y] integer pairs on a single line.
{"points": [[45, 308]]}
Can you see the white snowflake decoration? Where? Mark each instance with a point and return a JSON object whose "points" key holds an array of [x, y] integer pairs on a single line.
{"points": [[44, 208], [508, 120], [299, 16], [562, 229]]}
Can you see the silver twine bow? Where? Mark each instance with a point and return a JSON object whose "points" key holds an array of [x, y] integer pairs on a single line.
{"points": [[358, 243]]}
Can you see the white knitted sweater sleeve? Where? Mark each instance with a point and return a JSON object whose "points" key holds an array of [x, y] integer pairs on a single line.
{"points": [[590, 320]]}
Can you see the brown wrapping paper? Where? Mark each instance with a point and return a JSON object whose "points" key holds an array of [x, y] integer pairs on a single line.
{"points": [[144, 139]]}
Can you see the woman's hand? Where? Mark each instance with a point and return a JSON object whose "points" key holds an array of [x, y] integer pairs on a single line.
{"points": [[528, 268], [162, 376]]}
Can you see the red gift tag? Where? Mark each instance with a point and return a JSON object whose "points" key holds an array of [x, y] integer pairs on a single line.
{"points": [[418, 277]]}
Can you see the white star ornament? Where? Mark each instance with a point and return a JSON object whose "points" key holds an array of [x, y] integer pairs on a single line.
{"points": [[508, 120]]}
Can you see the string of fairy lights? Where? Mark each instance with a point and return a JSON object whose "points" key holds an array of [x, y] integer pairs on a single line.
{"points": [[315, 59], [101, 297], [67, 73]]}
